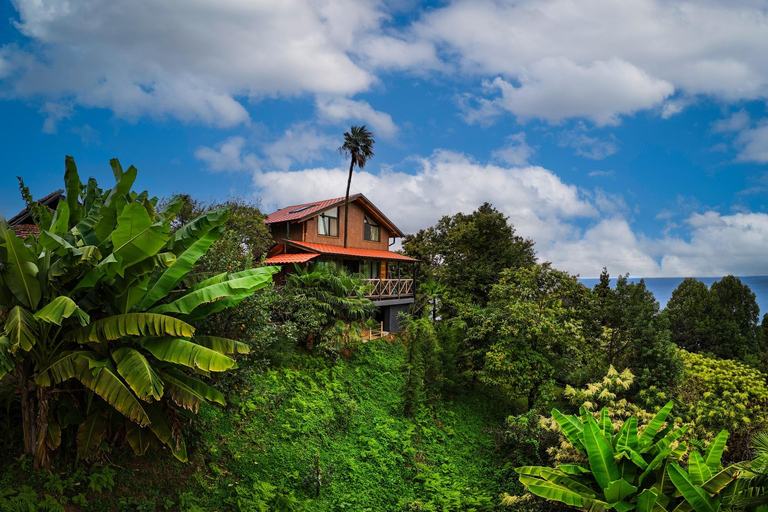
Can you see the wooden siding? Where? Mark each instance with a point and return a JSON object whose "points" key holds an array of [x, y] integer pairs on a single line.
{"points": [[355, 238]]}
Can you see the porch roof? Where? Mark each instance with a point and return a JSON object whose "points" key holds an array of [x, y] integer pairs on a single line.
{"points": [[282, 259], [354, 252]]}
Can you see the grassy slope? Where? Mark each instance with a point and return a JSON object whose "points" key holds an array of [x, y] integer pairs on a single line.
{"points": [[342, 422]]}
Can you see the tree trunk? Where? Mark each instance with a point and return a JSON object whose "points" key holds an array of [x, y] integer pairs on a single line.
{"points": [[27, 410], [346, 200], [42, 459]]}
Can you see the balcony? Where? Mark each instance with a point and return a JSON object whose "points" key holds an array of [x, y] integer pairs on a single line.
{"points": [[390, 289]]}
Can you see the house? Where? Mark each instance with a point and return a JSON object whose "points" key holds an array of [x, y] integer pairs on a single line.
{"points": [[314, 232], [22, 223]]}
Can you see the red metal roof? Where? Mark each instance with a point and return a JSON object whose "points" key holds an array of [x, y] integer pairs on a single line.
{"points": [[302, 211], [350, 251], [282, 259]]}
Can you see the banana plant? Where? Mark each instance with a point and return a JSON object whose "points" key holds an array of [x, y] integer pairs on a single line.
{"points": [[630, 470], [96, 312]]}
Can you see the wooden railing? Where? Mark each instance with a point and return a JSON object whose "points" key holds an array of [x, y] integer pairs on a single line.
{"points": [[390, 288]]}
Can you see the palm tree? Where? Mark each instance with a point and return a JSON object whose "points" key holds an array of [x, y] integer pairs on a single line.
{"points": [[433, 291], [358, 146]]}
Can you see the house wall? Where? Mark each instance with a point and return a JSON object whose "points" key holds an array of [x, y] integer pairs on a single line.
{"points": [[355, 238]]}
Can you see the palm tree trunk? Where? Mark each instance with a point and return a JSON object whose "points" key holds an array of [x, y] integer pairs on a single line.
{"points": [[346, 201], [28, 426]]}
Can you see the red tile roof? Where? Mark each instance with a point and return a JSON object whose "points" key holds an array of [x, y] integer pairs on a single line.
{"points": [[350, 251], [23, 217], [306, 210], [282, 259]]}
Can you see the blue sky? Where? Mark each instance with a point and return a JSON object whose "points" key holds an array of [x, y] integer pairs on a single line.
{"points": [[630, 135]]}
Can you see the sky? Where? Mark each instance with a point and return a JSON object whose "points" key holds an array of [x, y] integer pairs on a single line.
{"points": [[629, 134]]}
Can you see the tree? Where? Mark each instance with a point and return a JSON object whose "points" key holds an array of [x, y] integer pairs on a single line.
{"points": [[736, 320], [358, 147], [99, 298], [692, 310], [636, 336], [467, 252], [244, 239], [529, 336], [432, 291]]}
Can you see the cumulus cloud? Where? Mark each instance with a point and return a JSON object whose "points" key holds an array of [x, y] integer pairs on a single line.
{"points": [[587, 146], [192, 61], [301, 143], [753, 144], [515, 152], [343, 110], [644, 48], [556, 88], [229, 155]]}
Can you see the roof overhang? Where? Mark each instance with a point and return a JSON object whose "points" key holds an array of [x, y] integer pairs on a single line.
{"points": [[350, 252]]}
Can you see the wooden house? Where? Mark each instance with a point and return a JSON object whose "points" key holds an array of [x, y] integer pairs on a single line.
{"points": [[314, 232]]}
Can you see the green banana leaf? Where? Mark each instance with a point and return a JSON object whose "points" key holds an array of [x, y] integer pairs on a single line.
{"points": [[73, 188], [138, 373], [600, 454], [21, 329], [619, 489], [646, 500], [90, 433], [60, 308], [554, 492], [171, 278], [7, 359], [571, 428], [162, 428], [697, 469], [136, 237], [131, 324], [138, 437], [20, 272], [238, 284], [189, 392], [714, 451], [222, 345], [697, 497], [187, 353], [655, 424], [193, 231]]}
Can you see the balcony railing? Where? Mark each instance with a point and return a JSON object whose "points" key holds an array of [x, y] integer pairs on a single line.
{"points": [[383, 289]]}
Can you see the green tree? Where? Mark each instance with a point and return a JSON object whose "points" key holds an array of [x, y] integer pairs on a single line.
{"points": [[692, 311], [467, 252], [358, 147], [530, 334], [98, 298], [736, 319], [636, 336], [432, 291], [245, 237]]}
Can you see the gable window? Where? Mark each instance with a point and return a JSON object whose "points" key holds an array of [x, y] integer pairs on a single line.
{"points": [[328, 222], [370, 230]]}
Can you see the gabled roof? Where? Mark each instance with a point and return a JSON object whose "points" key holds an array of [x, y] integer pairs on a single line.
{"points": [[302, 212], [24, 217], [349, 251]]}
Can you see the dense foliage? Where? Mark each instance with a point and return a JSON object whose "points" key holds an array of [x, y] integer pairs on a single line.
{"points": [[104, 297], [467, 252]]}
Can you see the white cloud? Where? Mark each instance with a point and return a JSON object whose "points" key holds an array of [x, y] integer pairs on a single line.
{"points": [[556, 88], [193, 61], [587, 146], [301, 143], [54, 112], [343, 110], [515, 152], [734, 123], [601, 59], [228, 155], [753, 144]]}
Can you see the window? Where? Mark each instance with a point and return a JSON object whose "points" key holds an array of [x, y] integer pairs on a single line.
{"points": [[328, 223], [371, 230], [371, 269]]}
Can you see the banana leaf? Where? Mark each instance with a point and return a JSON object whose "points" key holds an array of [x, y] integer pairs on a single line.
{"points": [[21, 329], [601, 456], [189, 392], [714, 451], [187, 353], [131, 324], [655, 424], [61, 308], [90, 433], [698, 498], [138, 373], [20, 269], [222, 345]]}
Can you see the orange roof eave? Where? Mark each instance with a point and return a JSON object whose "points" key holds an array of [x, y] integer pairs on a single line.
{"points": [[375, 254]]}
